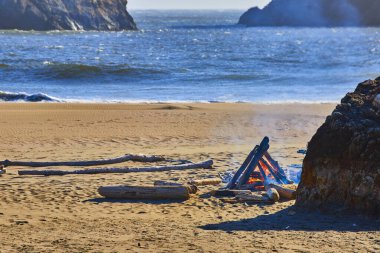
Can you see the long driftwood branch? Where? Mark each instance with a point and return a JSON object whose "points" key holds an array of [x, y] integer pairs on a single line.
{"points": [[205, 165], [121, 159]]}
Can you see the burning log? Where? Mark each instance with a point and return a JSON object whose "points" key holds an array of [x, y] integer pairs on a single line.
{"points": [[203, 182], [145, 192], [264, 146], [121, 159], [285, 191], [205, 165], [247, 161]]}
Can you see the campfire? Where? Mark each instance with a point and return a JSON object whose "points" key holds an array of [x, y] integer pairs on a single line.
{"points": [[258, 170], [259, 173]]}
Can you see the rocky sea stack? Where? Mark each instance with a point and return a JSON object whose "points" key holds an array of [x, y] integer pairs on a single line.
{"points": [[44, 15], [314, 13], [341, 169]]}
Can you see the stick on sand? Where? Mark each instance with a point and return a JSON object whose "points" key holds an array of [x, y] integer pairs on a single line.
{"points": [[202, 165], [121, 159]]}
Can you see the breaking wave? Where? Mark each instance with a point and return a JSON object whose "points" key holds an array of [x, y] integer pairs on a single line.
{"points": [[21, 96], [72, 71]]}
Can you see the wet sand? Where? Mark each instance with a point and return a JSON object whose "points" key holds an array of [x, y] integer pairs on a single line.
{"points": [[65, 214]]}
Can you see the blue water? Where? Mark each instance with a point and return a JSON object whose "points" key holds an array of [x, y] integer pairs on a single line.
{"points": [[189, 56]]}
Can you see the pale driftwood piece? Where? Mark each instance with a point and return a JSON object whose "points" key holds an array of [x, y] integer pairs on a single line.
{"points": [[203, 182], [253, 197], [285, 191], [248, 201], [273, 194], [121, 159], [165, 183], [229, 193], [145, 192], [202, 165], [192, 188]]}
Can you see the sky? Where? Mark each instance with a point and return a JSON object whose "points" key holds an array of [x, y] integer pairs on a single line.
{"points": [[194, 4]]}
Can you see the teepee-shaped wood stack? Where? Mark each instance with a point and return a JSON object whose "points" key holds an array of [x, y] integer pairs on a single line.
{"points": [[258, 170]]}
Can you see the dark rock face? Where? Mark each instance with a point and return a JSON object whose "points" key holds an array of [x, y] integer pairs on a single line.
{"points": [[342, 165], [44, 15], [315, 13]]}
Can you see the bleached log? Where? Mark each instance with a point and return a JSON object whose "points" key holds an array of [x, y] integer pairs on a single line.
{"points": [[202, 182], [202, 165], [145, 192], [121, 159], [248, 201], [253, 196], [192, 188], [165, 183], [229, 193], [273, 194], [285, 191]]}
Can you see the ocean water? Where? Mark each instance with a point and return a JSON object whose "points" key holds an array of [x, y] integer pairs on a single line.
{"points": [[188, 56]]}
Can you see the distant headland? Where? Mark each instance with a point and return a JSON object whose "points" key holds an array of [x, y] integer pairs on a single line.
{"points": [[314, 13], [45, 15]]}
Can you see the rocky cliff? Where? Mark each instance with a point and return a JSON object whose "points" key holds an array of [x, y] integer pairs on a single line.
{"points": [[314, 13], [342, 165], [43, 15]]}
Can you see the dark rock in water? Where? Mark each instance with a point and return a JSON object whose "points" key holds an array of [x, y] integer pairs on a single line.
{"points": [[314, 13], [44, 15], [342, 165]]}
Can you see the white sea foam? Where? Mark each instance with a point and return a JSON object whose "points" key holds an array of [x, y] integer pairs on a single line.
{"points": [[24, 97]]}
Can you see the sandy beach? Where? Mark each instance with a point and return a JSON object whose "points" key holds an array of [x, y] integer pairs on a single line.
{"points": [[66, 214]]}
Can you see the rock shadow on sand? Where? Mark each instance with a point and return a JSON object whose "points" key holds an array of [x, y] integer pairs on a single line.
{"points": [[291, 219]]}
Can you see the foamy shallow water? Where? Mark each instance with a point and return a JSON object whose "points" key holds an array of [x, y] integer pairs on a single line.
{"points": [[189, 56]]}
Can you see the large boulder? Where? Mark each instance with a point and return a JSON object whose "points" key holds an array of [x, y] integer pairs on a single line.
{"points": [[314, 13], [44, 15], [341, 169]]}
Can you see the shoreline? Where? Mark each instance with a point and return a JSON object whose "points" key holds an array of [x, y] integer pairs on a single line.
{"points": [[142, 103]]}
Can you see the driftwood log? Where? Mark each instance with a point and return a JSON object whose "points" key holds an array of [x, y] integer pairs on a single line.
{"points": [[248, 201], [166, 183], [229, 193], [285, 191], [205, 165], [145, 192], [254, 196], [192, 188], [121, 159], [202, 182], [273, 194]]}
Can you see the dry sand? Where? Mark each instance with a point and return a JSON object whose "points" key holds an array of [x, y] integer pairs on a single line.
{"points": [[65, 214]]}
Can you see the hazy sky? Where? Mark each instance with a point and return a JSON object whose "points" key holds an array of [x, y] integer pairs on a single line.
{"points": [[194, 4]]}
